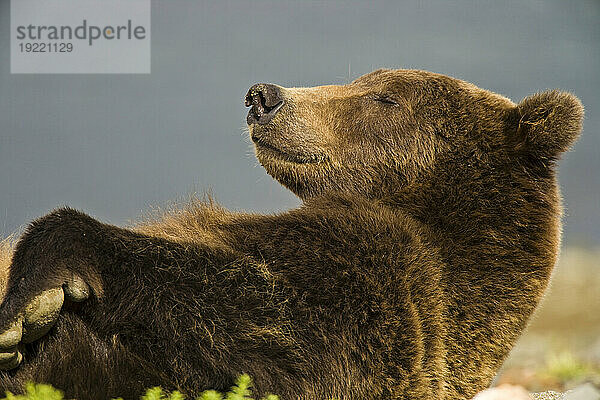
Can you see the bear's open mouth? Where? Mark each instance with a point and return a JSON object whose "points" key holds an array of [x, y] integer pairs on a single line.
{"points": [[271, 150]]}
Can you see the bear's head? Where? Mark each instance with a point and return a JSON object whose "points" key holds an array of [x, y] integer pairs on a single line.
{"points": [[390, 128]]}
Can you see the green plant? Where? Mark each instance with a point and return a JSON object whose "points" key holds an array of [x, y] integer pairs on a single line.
{"points": [[240, 391], [36, 391], [564, 366]]}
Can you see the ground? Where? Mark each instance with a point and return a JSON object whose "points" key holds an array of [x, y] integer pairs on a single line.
{"points": [[561, 347]]}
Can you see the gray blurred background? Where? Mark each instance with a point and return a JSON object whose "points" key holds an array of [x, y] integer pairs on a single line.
{"points": [[116, 145]]}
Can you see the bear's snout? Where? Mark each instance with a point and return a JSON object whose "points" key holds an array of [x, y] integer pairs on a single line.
{"points": [[266, 100]]}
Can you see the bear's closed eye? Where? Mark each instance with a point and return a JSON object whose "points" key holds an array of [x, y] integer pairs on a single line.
{"points": [[385, 100]]}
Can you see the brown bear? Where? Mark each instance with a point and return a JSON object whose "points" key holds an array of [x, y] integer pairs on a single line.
{"points": [[429, 228]]}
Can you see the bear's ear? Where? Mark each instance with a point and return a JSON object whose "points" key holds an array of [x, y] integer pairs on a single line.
{"points": [[548, 123]]}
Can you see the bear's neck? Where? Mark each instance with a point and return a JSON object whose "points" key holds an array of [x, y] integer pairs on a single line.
{"points": [[489, 218], [499, 234]]}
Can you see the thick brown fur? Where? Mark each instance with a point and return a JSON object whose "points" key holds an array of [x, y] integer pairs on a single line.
{"points": [[6, 249], [429, 228]]}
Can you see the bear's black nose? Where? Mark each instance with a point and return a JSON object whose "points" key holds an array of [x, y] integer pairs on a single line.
{"points": [[265, 100]]}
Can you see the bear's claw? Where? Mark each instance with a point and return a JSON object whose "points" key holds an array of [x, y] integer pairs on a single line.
{"points": [[37, 319], [12, 336], [41, 313], [10, 359], [76, 289]]}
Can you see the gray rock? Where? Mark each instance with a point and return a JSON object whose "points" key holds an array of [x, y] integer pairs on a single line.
{"points": [[583, 392], [550, 395]]}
